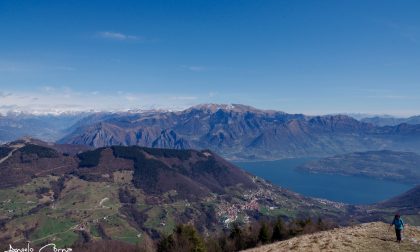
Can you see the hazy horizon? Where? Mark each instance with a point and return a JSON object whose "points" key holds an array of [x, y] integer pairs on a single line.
{"points": [[53, 112]]}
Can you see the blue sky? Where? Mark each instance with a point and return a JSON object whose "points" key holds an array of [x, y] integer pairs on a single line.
{"points": [[313, 57]]}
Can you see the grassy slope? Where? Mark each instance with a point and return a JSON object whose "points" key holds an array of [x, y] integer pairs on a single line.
{"points": [[78, 207], [365, 237]]}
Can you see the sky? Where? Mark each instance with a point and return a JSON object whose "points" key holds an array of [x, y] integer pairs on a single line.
{"points": [[312, 57]]}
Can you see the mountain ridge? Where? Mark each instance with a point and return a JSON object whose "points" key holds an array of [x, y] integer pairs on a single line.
{"points": [[385, 164], [240, 132], [391, 121], [235, 131]]}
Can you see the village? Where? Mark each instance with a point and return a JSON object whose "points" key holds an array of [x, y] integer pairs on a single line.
{"points": [[231, 212]]}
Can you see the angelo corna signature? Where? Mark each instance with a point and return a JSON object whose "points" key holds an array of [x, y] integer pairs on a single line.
{"points": [[47, 248]]}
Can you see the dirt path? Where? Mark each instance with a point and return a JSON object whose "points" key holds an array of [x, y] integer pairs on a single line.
{"points": [[370, 237], [15, 148], [8, 156], [101, 203], [53, 169]]}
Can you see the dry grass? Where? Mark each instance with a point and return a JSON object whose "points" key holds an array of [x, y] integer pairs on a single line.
{"points": [[365, 237]]}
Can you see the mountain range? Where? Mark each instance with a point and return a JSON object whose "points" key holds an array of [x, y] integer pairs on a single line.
{"points": [[235, 131], [390, 120], [240, 132], [14, 126]]}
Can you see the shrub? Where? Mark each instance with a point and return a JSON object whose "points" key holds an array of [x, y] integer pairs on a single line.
{"points": [[40, 151], [279, 231], [264, 234], [4, 151], [184, 239], [90, 158], [146, 171], [169, 153]]}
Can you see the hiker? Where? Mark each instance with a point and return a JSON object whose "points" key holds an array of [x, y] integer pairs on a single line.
{"points": [[399, 226]]}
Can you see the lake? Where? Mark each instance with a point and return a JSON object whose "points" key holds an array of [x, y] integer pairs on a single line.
{"points": [[347, 189]]}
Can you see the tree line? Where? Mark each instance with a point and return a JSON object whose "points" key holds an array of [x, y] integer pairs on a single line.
{"points": [[186, 238]]}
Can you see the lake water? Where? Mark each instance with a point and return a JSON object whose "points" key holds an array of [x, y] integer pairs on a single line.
{"points": [[347, 189]]}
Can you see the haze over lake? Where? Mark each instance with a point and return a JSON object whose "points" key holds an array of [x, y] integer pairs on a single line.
{"points": [[347, 189]]}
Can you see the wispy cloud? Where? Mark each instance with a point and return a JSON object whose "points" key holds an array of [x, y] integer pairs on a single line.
{"points": [[10, 66], [48, 89], [4, 94], [55, 100], [387, 94], [212, 94], [184, 98], [410, 32], [195, 68], [63, 68], [378, 93], [118, 36], [392, 97], [7, 66]]}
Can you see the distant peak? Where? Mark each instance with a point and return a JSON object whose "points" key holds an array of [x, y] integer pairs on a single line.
{"points": [[213, 107]]}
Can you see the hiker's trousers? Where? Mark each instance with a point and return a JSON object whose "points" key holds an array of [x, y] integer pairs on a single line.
{"points": [[398, 233]]}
